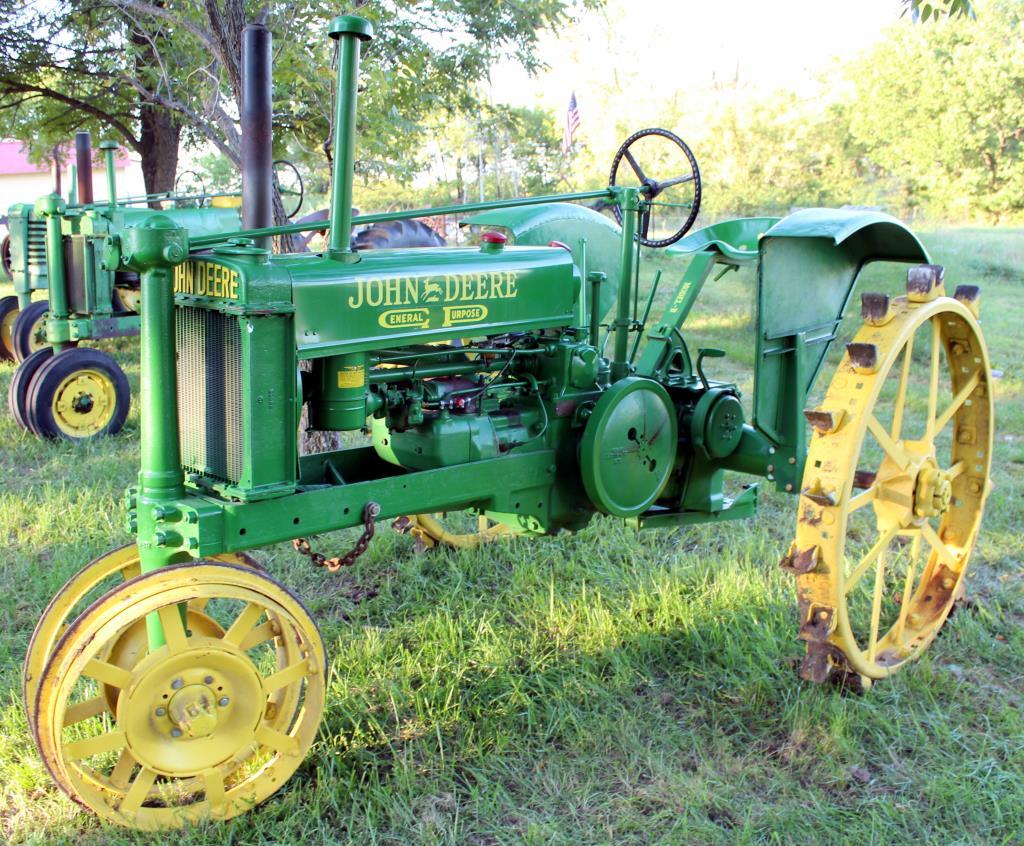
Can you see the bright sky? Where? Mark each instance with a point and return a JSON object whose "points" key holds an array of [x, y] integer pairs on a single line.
{"points": [[654, 48]]}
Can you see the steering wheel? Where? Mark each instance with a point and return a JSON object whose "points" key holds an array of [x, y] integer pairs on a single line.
{"points": [[288, 182], [678, 195], [189, 184]]}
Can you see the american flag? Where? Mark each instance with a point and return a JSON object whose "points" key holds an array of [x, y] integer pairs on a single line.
{"points": [[572, 123]]}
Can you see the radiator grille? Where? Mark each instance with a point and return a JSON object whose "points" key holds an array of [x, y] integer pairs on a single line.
{"points": [[210, 393], [35, 251]]}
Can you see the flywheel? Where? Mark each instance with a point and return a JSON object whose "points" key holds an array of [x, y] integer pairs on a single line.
{"points": [[896, 479]]}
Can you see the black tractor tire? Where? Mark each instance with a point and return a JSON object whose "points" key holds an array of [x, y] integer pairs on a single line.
{"points": [[8, 314], [396, 234], [25, 332], [73, 419], [17, 392]]}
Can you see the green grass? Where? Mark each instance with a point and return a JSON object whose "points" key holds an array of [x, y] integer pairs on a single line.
{"points": [[598, 688]]}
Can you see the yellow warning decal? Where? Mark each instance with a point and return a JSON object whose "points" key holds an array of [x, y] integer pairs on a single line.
{"points": [[352, 376]]}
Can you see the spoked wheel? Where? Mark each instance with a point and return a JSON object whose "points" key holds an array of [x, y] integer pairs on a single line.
{"points": [[92, 581], [458, 531], [28, 332], [79, 394], [9, 312], [193, 731], [895, 483], [673, 201]]}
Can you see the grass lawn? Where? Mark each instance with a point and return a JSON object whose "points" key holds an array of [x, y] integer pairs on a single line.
{"points": [[598, 688]]}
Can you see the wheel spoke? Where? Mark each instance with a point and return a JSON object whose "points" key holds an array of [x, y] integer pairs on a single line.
{"points": [[108, 742], [940, 548], [876, 604], [174, 628], [901, 391], [276, 740], [908, 585], [865, 562], [933, 380], [957, 469], [639, 171], [289, 675], [122, 772], [215, 793], [863, 498], [83, 710], [138, 792], [891, 448], [106, 673], [679, 180], [958, 400], [259, 635], [243, 624]]}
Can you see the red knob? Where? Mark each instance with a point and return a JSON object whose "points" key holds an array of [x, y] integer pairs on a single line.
{"points": [[492, 237]]}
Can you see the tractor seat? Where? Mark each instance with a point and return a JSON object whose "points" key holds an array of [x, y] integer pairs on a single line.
{"points": [[734, 239]]}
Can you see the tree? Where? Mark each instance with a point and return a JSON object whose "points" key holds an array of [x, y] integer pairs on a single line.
{"points": [[151, 70]]}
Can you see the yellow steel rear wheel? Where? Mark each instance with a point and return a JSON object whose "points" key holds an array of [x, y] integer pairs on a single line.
{"points": [[895, 483], [195, 732], [83, 403]]}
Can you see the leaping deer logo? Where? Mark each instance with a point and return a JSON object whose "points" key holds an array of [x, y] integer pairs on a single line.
{"points": [[431, 292]]}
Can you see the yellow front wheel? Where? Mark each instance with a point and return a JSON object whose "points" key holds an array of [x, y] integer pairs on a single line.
{"points": [[895, 483], [92, 581], [194, 731], [78, 394]]}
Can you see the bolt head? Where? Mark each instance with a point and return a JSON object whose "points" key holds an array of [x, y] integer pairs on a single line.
{"points": [[208, 680], [160, 712], [177, 683], [175, 732], [223, 701]]}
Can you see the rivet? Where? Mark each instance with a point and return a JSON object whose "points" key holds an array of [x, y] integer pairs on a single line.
{"points": [[223, 701], [177, 683], [789, 487], [947, 583], [161, 712], [208, 680], [771, 468], [175, 732], [792, 460], [823, 615], [771, 450]]}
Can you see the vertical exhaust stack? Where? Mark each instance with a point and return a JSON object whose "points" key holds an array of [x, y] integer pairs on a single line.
{"points": [[83, 159], [348, 31], [55, 167], [257, 132], [109, 149]]}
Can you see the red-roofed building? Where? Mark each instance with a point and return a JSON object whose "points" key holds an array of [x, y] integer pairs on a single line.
{"points": [[22, 181]]}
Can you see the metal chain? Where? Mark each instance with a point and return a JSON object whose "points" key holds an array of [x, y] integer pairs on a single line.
{"points": [[302, 546]]}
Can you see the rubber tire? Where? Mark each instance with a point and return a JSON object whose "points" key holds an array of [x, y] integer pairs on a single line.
{"points": [[5, 259], [7, 305], [17, 392], [21, 332], [41, 390]]}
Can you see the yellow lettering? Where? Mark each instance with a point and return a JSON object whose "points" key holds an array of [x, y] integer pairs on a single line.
{"points": [[412, 292], [374, 292], [510, 284], [393, 291]]}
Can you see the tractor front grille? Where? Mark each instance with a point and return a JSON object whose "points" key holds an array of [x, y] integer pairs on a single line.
{"points": [[210, 393], [35, 250]]}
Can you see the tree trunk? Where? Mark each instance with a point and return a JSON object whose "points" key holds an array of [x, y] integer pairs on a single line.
{"points": [[159, 141]]}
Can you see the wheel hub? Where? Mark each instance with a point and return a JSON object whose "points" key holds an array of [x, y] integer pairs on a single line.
{"points": [[933, 492], [193, 710], [84, 402], [188, 712]]}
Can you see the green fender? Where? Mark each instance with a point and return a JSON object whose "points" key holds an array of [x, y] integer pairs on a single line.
{"points": [[807, 269], [593, 238]]}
